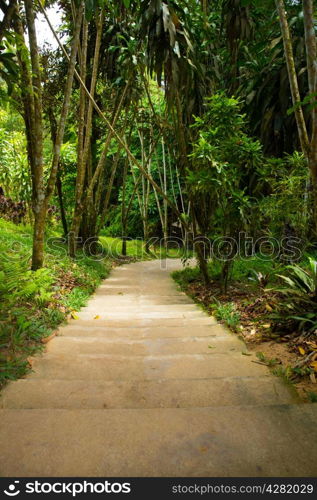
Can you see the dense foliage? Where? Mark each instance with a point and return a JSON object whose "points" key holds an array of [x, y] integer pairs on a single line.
{"points": [[187, 121]]}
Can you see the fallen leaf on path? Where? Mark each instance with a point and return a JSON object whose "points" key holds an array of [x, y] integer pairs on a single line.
{"points": [[302, 351], [97, 317], [30, 361], [74, 315]]}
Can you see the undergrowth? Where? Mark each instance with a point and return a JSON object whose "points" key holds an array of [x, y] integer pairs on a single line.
{"points": [[33, 304]]}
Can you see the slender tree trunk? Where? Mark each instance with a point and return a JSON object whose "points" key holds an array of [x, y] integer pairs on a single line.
{"points": [[123, 208], [66, 103], [144, 199], [41, 195], [81, 113], [104, 209], [289, 56], [59, 188], [311, 56], [94, 178], [165, 207], [26, 91], [163, 214], [142, 208], [308, 146], [37, 143], [114, 133], [200, 250], [84, 150], [204, 6], [7, 18]]}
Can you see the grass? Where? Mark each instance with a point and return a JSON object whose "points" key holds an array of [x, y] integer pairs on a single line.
{"points": [[312, 397], [243, 270], [186, 276], [136, 249], [228, 314], [112, 248]]}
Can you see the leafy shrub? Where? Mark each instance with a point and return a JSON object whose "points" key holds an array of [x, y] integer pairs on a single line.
{"points": [[77, 299], [32, 304], [227, 313], [299, 307], [186, 275], [19, 284], [11, 210]]}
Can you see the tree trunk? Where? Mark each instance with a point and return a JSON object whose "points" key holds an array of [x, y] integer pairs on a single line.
{"points": [[84, 153], [97, 175], [165, 207], [66, 103], [34, 120], [311, 55], [308, 146], [123, 208], [199, 247], [37, 143], [8, 15], [114, 133], [59, 189], [312, 163], [289, 56]]}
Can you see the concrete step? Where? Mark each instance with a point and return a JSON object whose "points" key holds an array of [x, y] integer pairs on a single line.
{"points": [[132, 293], [99, 329], [133, 314], [141, 310], [143, 300], [161, 393], [261, 441], [144, 347], [193, 323], [110, 367]]}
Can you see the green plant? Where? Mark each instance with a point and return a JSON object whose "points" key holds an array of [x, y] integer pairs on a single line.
{"points": [[77, 299], [261, 279], [312, 397], [223, 157], [186, 276], [285, 372], [299, 305], [33, 304], [227, 313], [267, 361]]}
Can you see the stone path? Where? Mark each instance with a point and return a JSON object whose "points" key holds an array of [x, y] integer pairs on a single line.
{"points": [[152, 387]]}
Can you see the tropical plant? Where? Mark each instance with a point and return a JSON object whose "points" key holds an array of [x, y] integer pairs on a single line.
{"points": [[223, 159], [227, 313], [298, 309]]}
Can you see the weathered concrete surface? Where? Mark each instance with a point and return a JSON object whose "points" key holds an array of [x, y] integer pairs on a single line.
{"points": [[145, 384]]}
